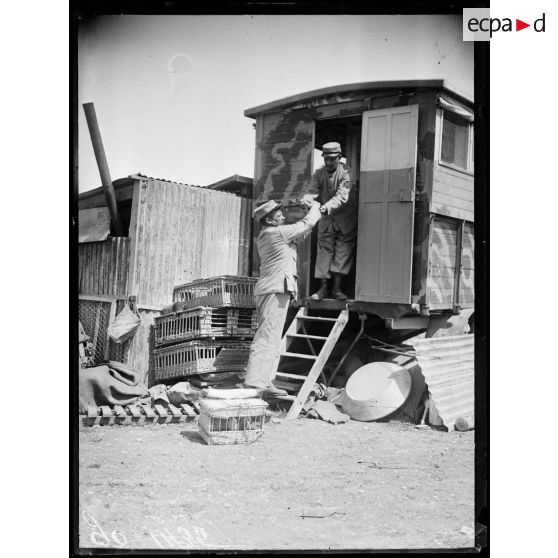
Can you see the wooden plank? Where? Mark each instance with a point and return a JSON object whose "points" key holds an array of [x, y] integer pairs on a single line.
{"points": [[122, 416], [292, 376], [176, 413], [443, 250], [305, 336], [137, 416], [93, 415], [318, 365], [449, 201], [456, 213], [437, 260], [444, 224], [299, 355], [457, 281], [149, 413], [107, 415], [187, 410], [457, 191], [442, 271], [162, 412]]}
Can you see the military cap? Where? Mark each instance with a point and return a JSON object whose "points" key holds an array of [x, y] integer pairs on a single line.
{"points": [[331, 148]]}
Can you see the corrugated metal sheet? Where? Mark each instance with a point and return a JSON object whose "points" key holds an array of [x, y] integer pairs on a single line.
{"points": [[185, 233], [448, 364], [94, 224], [103, 267]]}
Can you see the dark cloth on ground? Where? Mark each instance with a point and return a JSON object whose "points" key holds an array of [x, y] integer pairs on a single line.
{"points": [[322, 404], [113, 383]]}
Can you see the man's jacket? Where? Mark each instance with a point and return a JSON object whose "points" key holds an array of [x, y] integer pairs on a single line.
{"points": [[277, 250], [335, 194]]}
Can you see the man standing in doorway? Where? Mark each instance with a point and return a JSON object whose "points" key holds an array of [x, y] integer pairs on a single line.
{"points": [[276, 285], [337, 231]]}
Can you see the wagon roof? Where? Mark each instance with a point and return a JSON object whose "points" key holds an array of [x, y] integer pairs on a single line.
{"points": [[370, 85]]}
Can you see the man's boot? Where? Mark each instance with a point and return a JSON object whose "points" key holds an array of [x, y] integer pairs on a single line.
{"points": [[322, 292], [336, 291]]}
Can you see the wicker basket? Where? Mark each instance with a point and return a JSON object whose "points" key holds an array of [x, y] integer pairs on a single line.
{"points": [[232, 359], [231, 421], [225, 290], [205, 322], [193, 357]]}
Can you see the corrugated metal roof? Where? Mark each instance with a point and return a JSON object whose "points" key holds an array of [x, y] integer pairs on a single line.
{"points": [[448, 364], [140, 175], [125, 181]]}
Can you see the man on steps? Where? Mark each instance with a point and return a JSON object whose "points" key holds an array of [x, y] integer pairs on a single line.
{"points": [[276, 285], [337, 231]]}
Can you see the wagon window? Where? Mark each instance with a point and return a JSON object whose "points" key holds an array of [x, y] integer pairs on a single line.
{"points": [[456, 141]]}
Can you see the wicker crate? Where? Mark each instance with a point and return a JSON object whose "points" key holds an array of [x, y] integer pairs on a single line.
{"points": [[245, 322], [225, 290], [192, 357], [205, 322], [231, 421], [232, 359]]}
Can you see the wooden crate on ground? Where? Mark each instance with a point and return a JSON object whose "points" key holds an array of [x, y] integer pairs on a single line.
{"points": [[231, 421]]}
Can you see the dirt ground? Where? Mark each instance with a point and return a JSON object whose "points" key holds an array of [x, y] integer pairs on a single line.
{"points": [[305, 484]]}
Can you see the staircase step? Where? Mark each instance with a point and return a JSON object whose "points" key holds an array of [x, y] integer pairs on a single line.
{"points": [[316, 318], [294, 376], [299, 355], [303, 336]]}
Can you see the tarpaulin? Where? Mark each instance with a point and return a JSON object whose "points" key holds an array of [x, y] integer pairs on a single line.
{"points": [[110, 384]]}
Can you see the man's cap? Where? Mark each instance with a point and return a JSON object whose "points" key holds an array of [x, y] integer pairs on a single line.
{"points": [[265, 208], [331, 148]]}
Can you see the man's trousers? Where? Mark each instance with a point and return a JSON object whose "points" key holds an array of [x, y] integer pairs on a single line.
{"points": [[336, 251], [265, 350]]}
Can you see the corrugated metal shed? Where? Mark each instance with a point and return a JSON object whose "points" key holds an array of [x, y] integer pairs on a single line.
{"points": [[448, 364]]}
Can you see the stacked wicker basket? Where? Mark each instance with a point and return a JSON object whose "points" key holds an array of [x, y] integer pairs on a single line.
{"points": [[206, 337]]}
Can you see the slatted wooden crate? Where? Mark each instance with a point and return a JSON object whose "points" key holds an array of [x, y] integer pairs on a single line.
{"points": [[205, 322], [231, 421], [221, 291], [192, 357]]}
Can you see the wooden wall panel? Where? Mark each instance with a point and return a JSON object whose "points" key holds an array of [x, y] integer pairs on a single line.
{"points": [[453, 193], [103, 267], [441, 276]]}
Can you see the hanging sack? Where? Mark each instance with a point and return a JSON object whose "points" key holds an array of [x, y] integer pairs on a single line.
{"points": [[124, 325]]}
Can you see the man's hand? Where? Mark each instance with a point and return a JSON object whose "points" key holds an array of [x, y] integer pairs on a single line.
{"points": [[308, 200], [323, 209]]}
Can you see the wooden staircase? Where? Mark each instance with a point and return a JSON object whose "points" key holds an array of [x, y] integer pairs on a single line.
{"points": [[298, 330]]}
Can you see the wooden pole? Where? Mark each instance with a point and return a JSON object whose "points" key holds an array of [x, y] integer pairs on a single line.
{"points": [[108, 188]]}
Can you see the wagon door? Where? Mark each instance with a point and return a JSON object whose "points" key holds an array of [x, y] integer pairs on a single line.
{"points": [[386, 205]]}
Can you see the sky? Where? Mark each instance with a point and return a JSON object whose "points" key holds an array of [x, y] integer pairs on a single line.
{"points": [[170, 91]]}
